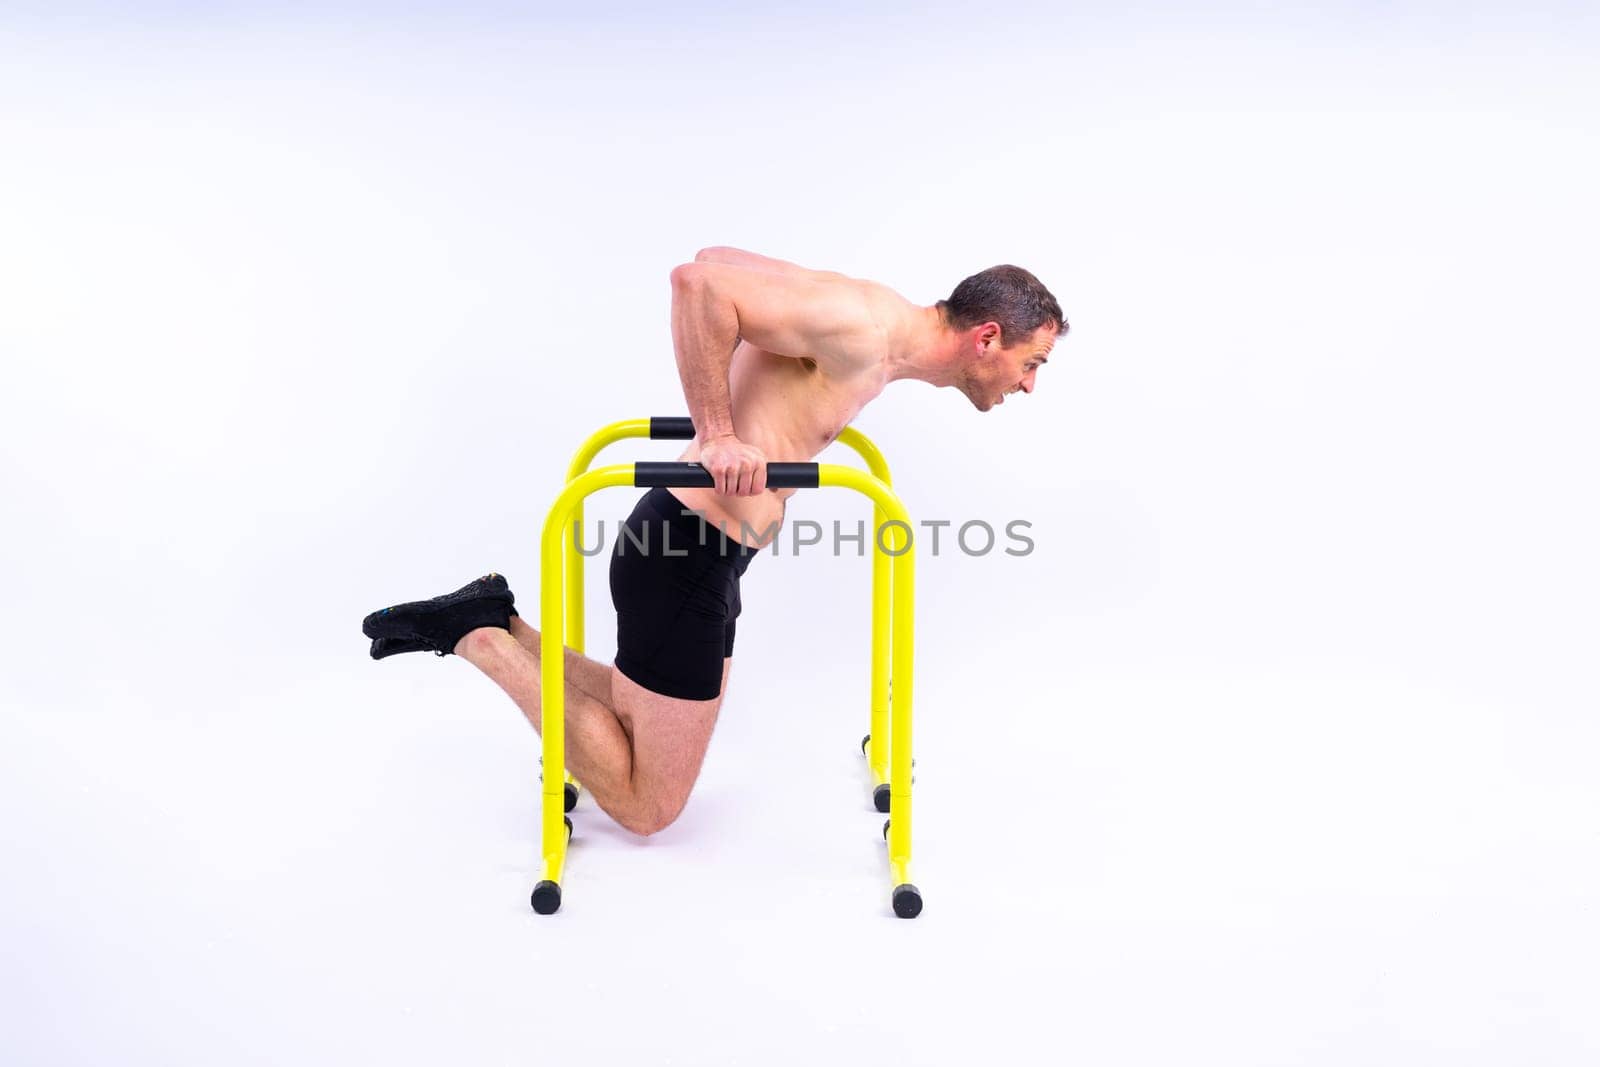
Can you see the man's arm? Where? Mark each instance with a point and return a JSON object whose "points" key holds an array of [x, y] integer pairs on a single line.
{"points": [[802, 314], [799, 315]]}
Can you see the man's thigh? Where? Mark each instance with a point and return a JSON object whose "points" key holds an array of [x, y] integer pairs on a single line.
{"points": [[670, 736]]}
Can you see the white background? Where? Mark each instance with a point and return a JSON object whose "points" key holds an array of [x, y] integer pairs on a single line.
{"points": [[1279, 749]]}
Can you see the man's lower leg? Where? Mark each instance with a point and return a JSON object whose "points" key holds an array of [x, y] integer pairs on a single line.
{"points": [[599, 752], [591, 676]]}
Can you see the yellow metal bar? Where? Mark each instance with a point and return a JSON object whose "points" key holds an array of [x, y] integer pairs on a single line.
{"points": [[882, 633], [879, 728], [854, 438], [554, 543], [899, 544], [576, 624], [574, 567], [602, 437], [896, 543], [882, 612], [887, 539]]}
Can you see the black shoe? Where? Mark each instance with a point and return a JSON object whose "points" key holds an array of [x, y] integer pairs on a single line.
{"points": [[436, 625], [394, 646]]}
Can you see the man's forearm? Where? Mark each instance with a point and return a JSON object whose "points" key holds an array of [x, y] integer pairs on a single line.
{"points": [[705, 330]]}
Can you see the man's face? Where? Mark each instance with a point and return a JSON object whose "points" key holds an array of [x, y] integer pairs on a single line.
{"points": [[996, 372]]}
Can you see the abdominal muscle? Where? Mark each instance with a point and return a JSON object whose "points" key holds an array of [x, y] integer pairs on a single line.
{"points": [[791, 411]]}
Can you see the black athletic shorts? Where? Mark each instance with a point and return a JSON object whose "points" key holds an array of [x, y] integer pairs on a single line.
{"points": [[675, 584]]}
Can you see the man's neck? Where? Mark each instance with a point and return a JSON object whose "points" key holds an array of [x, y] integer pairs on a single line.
{"points": [[924, 348]]}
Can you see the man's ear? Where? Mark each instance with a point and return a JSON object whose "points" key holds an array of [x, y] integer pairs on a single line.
{"points": [[989, 338]]}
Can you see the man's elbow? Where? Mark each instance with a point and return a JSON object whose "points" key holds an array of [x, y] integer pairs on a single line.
{"points": [[713, 254], [688, 277]]}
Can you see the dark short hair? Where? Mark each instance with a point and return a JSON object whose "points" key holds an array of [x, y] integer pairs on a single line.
{"points": [[1007, 295]]}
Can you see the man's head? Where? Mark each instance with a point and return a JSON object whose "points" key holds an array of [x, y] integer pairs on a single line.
{"points": [[1006, 322]]}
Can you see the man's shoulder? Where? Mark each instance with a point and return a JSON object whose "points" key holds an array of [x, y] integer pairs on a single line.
{"points": [[888, 309]]}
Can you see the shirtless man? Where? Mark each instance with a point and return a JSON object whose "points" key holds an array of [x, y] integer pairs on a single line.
{"points": [[775, 361]]}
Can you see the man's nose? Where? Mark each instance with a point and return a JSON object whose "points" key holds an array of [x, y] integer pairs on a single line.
{"points": [[1027, 381]]}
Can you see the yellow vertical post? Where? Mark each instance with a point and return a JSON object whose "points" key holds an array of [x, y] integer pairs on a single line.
{"points": [[591, 447], [900, 727], [899, 544], [552, 701], [574, 577], [573, 566], [882, 668], [554, 545], [879, 730]]}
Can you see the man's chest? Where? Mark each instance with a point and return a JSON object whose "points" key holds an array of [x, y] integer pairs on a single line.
{"points": [[793, 400]]}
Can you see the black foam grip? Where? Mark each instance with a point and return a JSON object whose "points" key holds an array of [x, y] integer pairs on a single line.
{"points": [[671, 428], [793, 476], [779, 475]]}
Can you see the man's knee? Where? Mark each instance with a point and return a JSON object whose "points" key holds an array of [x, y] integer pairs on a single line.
{"points": [[652, 815]]}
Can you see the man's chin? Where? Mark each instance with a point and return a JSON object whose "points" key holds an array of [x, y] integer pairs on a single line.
{"points": [[982, 403]]}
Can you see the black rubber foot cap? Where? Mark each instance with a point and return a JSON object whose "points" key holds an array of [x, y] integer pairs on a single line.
{"points": [[864, 741], [907, 901], [886, 829], [569, 826], [572, 796], [880, 798], [547, 898]]}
